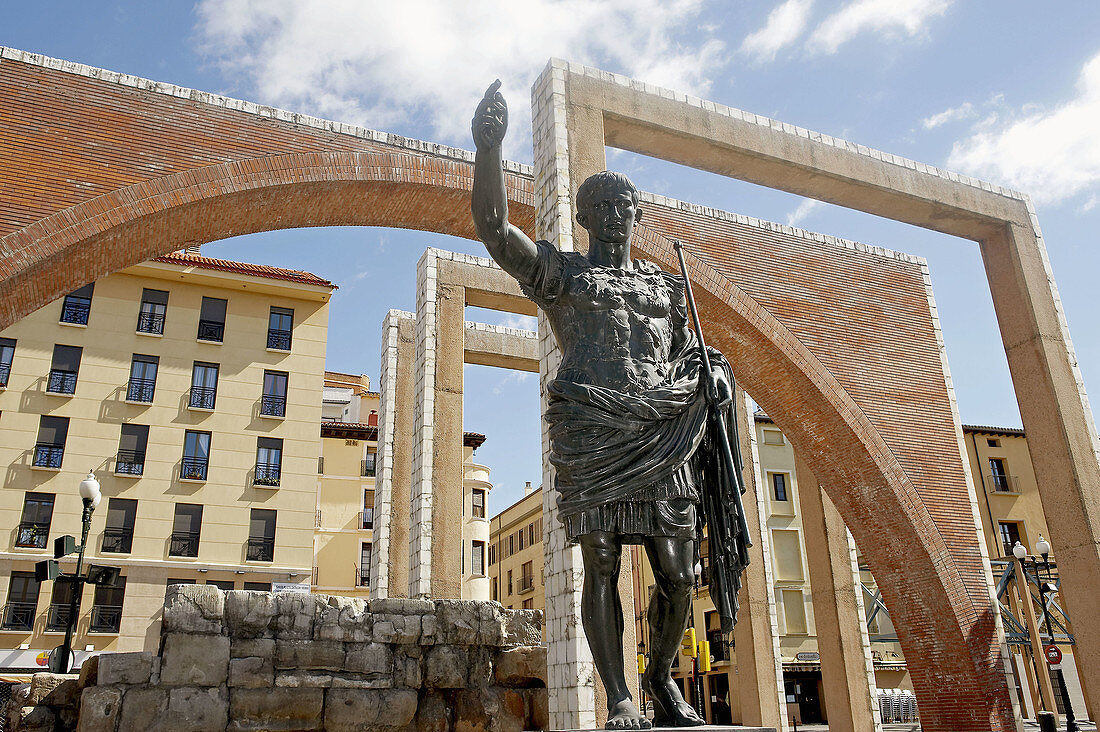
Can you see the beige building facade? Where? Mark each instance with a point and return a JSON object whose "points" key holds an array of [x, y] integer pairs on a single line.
{"points": [[516, 571]]}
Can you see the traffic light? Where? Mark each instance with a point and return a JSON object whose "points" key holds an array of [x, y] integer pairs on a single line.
{"points": [[704, 656], [641, 663], [64, 546], [46, 570], [688, 645]]}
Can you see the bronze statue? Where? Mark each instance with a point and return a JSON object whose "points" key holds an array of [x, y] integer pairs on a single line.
{"points": [[636, 422]]}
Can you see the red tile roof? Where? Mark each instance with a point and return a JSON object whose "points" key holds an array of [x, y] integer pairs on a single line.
{"points": [[256, 270]]}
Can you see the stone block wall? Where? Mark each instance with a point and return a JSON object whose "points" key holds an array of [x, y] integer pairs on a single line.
{"points": [[244, 660]]}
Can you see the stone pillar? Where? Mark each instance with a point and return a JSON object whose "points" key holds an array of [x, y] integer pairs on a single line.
{"points": [[847, 670], [759, 665]]}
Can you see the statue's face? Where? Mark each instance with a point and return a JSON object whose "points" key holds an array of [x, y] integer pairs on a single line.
{"points": [[611, 217]]}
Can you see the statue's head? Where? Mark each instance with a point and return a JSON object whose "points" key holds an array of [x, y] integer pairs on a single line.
{"points": [[607, 206]]}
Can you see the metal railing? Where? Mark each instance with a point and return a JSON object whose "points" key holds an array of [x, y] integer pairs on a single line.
{"points": [[1001, 483], [141, 390], [719, 650], [19, 615], [273, 405], [118, 540], [32, 534], [48, 455], [61, 381], [75, 310], [150, 323], [362, 579], [260, 549], [130, 462], [5, 373], [203, 397], [366, 469], [106, 619], [184, 544], [526, 584], [211, 330], [57, 616], [366, 518], [278, 339], [267, 474], [193, 468]]}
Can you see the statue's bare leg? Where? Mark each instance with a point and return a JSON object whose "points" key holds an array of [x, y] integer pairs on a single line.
{"points": [[672, 561], [602, 616]]}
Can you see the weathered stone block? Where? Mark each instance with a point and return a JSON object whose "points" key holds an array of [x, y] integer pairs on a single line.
{"points": [[198, 710], [249, 614], [194, 609], [252, 647], [538, 708], [407, 671], [99, 709], [294, 614], [369, 658], [144, 709], [343, 619], [303, 679], [358, 709], [460, 622], [125, 668], [429, 629], [445, 667], [275, 709], [194, 660], [302, 655], [401, 606], [43, 684], [89, 672], [522, 628], [524, 666], [434, 714], [362, 681], [489, 710], [251, 672], [479, 661], [36, 719]]}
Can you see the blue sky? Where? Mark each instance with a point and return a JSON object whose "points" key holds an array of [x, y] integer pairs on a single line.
{"points": [[1005, 90]]}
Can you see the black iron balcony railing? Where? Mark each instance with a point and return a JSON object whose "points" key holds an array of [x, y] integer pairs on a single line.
{"points": [[184, 544], [211, 330], [32, 534], [193, 468], [278, 339], [57, 617], [150, 323], [19, 615], [118, 540], [5, 373], [75, 310], [260, 549], [48, 455], [273, 405], [366, 518], [106, 619], [130, 462], [267, 474], [141, 390], [61, 382], [526, 584], [1001, 483], [203, 397], [367, 468]]}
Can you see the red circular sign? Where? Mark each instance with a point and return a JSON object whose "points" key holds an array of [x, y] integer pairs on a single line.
{"points": [[1053, 654]]}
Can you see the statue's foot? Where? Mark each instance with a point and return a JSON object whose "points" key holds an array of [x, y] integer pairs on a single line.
{"points": [[669, 707], [624, 715]]}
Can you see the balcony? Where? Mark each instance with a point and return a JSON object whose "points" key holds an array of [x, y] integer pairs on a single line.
{"points": [[140, 390], [105, 619], [202, 397], [5, 373], [193, 468], [130, 462], [48, 455], [117, 540], [75, 310], [57, 617], [267, 474], [260, 549], [184, 544], [61, 381], [19, 616], [526, 584], [32, 534], [273, 405], [278, 340], [1001, 483], [211, 330], [366, 518], [150, 323], [367, 468]]}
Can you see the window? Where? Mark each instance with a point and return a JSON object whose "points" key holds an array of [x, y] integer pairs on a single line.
{"points": [[509, 583], [107, 607], [526, 577], [77, 305], [528, 604], [63, 369], [57, 616], [993, 443], [477, 558], [212, 320], [1010, 534], [479, 503], [369, 463], [22, 602], [186, 529], [196, 455], [261, 536], [273, 401], [794, 611], [279, 327], [531, 534], [258, 586], [321, 465], [225, 585], [118, 534], [511, 546], [7, 353], [364, 564], [154, 304], [34, 528], [772, 437], [204, 385], [179, 582], [269, 461], [494, 592], [143, 378], [368, 510], [522, 539], [779, 486], [50, 448], [492, 554], [999, 479], [131, 449]]}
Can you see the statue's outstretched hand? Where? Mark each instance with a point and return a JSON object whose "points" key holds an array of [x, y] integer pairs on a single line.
{"points": [[490, 121]]}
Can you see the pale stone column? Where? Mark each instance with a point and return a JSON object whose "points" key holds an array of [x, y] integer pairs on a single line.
{"points": [[847, 670]]}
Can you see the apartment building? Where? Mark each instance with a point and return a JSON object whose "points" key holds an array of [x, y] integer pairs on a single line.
{"points": [[191, 387], [516, 573]]}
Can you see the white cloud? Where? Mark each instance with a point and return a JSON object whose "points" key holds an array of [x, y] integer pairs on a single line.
{"points": [[396, 65], [784, 25], [1051, 154], [885, 17], [520, 322], [804, 209], [954, 114]]}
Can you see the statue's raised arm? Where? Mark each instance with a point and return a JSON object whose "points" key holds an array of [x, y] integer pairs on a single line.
{"points": [[508, 246]]}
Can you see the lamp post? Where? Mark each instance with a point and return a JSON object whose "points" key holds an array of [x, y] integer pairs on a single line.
{"points": [[1046, 584], [61, 658]]}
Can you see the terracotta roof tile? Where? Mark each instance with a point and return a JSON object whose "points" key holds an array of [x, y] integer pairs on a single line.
{"points": [[256, 270]]}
